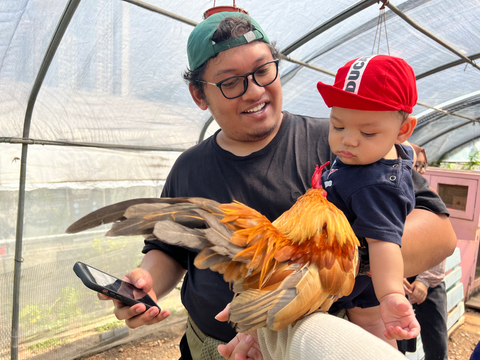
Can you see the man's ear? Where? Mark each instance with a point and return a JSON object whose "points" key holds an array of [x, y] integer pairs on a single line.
{"points": [[406, 130], [198, 97]]}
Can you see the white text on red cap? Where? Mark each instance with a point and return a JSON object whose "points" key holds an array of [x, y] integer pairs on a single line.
{"points": [[355, 73]]}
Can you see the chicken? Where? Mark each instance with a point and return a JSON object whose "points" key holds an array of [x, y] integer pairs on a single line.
{"points": [[281, 271]]}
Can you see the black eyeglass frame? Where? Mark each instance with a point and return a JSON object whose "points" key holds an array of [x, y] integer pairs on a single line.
{"points": [[245, 79]]}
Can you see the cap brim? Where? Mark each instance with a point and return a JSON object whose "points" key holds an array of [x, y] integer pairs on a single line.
{"points": [[339, 98]]}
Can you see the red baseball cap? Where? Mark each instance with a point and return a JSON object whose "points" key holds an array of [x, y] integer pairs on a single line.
{"points": [[372, 83]]}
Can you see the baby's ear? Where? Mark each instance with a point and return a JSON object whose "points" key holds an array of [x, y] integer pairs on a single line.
{"points": [[406, 129]]}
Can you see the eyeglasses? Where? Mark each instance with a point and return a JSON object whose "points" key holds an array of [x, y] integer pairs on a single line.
{"points": [[419, 167], [234, 87]]}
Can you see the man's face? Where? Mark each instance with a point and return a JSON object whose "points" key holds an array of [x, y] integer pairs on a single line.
{"points": [[362, 137], [255, 115]]}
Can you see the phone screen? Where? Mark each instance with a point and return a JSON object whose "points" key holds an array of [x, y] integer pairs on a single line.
{"points": [[119, 286]]}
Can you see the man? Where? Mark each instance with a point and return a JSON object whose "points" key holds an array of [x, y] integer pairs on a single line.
{"points": [[262, 157]]}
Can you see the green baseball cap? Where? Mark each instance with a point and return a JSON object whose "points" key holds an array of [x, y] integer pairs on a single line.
{"points": [[200, 46]]}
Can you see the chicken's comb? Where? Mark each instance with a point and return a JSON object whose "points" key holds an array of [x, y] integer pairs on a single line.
{"points": [[317, 175]]}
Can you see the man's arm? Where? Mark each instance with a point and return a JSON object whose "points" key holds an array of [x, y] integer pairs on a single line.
{"points": [[165, 271], [428, 238], [158, 274]]}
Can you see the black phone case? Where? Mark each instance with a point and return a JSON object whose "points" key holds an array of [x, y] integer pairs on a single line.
{"points": [[81, 270]]}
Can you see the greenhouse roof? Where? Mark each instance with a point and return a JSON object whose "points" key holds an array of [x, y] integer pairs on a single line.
{"points": [[107, 74]]}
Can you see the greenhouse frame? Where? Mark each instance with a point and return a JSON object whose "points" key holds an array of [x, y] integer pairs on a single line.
{"points": [[94, 110]]}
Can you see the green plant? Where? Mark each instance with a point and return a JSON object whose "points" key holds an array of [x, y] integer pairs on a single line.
{"points": [[473, 160], [31, 314], [49, 343], [67, 305], [110, 326], [47, 317], [106, 245], [446, 166], [179, 285]]}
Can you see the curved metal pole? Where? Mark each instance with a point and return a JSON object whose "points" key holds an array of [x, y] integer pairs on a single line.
{"points": [[204, 129], [450, 129], [460, 145], [446, 66], [57, 36], [335, 20], [161, 11], [447, 112], [307, 65], [14, 140], [458, 126], [446, 132], [314, 33], [352, 10], [430, 35]]}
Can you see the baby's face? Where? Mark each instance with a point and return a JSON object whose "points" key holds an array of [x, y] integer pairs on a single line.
{"points": [[362, 137]]}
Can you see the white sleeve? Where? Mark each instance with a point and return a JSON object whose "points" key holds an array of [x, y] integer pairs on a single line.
{"points": [[434, 276], [323, 336], [274, 344]]}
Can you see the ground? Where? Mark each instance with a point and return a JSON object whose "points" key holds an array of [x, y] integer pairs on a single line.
{"points": [[465, 337], [158, 345], [163, 345]]}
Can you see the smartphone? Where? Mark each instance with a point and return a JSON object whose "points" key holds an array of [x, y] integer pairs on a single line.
{"points": [[109, 285]]}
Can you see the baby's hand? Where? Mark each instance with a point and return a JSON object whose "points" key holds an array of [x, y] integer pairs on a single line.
{"points": [[398, 317]]}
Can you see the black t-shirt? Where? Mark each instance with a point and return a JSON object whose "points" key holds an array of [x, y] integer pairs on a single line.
{"points": [[269, 180]]}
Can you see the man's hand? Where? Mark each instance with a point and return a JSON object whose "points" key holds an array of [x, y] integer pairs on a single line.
{"points": [[398, 317], [137, 315], [419, 292], [244, 346]]}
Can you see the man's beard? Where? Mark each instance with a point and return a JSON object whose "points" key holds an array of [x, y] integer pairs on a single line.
{"points": [[260, 135]]}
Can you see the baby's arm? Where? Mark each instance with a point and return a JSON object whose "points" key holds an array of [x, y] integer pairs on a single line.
{"points": [[386, 265]]}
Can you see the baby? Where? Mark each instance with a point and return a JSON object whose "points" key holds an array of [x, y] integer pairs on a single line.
{"points": [[371, 182]]}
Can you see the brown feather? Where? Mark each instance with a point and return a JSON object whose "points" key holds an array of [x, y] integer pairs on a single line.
{"points": [[208, 258], [106, 215], [281, 271]]}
